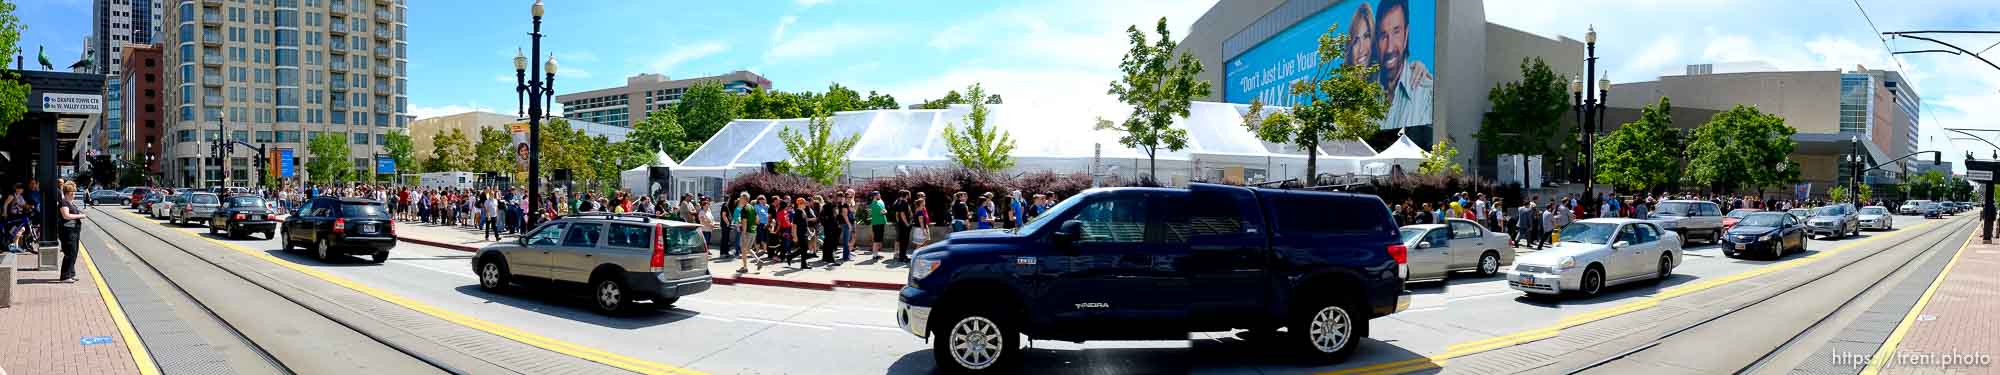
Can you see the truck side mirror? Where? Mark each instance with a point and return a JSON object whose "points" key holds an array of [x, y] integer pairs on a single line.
{"points": [[1069, 232]]}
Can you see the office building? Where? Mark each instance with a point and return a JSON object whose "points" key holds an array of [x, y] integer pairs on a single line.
{"points": [[1835, 112], [114, 25], [139, 104], [644, 93], [278, 73]]}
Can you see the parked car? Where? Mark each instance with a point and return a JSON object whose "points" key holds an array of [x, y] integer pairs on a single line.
{"points": [[1736, 214], [1834, 220], [242, 214], [1771, 234], [618, 259], [1949, 208], [1878, 218], [165, 206], [1800, 214], [1932, 210], [1592, 254], [103, 196], [1913, 206], [334, 226], [1691, 219], [195, 207], [1457, 245], [138, 197], [1157, 263]]}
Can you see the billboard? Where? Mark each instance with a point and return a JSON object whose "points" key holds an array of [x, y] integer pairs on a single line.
{"points": [[385, 164], [286, 167], [519, 146], [1398, 36]]}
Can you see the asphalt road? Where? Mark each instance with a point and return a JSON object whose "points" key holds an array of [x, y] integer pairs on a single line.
{"points": [[755, 329]]}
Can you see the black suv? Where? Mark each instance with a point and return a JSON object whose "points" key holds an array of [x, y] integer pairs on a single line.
{"points": [[1157, 263], [337, 226], [242, 214]]}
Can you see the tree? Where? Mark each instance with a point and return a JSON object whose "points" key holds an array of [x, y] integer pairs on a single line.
{"points": [[1527, 114], [662, 132], [881, 101], [399, 149], [1159, 87], [1440, 161], [13, 90], [1743, 148], [815, 153], [944, 102], [705, 108], [840, 99], [1341, 103], [1864, 192], [330, 155], [1637, 156], [132, 172], [616, 157], [1925, 185], [450, 152], [491, 154], [1837, 192], [978, 146]]}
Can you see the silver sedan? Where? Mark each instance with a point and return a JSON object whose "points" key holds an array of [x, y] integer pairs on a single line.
{"points": [[1458, 245], [1597, 253], [1877, 218]]}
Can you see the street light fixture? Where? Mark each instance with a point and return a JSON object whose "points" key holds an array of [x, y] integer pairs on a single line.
{"points": [[532, 87], [1588, 94]]}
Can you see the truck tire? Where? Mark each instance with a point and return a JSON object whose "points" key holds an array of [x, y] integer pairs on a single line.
{"points": [[980, 340], [1327, 330]]}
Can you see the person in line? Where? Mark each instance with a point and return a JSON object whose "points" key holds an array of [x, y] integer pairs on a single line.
{"points": [[983, 213], [781, 217], [960, 212], [746, 230], [71, 222], [844, 219], [492, 210], [901, 211], [878, 221], [923, 221], [726, 223], [828, 227]]}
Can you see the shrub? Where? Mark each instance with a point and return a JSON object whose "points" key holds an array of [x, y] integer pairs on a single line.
{"points": [[1063, 185], [774, 184]]}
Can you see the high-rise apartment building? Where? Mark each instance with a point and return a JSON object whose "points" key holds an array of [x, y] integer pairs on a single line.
{"points": [[114, 25], [644, 93], [278, 73]]}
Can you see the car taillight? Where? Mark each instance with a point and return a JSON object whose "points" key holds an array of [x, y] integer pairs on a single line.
{"points": [[659, 262], [239, 217], [392, 226], [340, 226], [1402, 254]]}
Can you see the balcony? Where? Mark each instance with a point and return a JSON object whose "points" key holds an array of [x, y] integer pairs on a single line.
{"points": [[337, 28], [384, 33], [211, 38], [212, 99], [211, 2], [383, 72], [211, 80], [211, 59], [211, 18], [382, 52], [383, 14]]}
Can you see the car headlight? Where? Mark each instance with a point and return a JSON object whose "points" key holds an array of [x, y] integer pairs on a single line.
{"points": [[1767, 237], [1566, 263], [922, 267]]}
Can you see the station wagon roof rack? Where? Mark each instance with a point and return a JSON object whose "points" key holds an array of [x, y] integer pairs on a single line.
{"points": [[612, 215]]}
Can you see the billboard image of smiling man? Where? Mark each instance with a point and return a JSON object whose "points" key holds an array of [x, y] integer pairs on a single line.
{"points": [[1406, 82]]}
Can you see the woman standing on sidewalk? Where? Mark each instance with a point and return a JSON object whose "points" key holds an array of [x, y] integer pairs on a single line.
{"points": [[923, 222], [70, 229]]}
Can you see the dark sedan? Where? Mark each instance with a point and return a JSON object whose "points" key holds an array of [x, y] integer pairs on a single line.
{"points": [[333, 227], [241, 215], [1770, 234], [106, 196]]}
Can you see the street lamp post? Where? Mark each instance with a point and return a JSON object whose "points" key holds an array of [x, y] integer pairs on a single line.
{"points": [[529, 83], [1590, 112], [1854, 179]]}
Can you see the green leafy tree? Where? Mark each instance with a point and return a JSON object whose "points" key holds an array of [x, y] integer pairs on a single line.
{"points": [[1341, 103], [1636, 157], [399, 148], [1864, 192], [979, 146], [1925, 185], [491, 154], [662, 132], [705, 108], [840, 98], [1159, 86], [616, 157], [13, 90], [815, 153], [1527, 114], [330, 159], [1441, 161], [132, 172], [563, 148], [881, 101], [1743, 148], [1837, 192], [949, 98], [450, 152]]}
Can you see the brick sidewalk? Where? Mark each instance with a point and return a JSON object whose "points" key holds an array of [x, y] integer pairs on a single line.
{"points": [[863, 272], [46, 329], [1958, 317]]}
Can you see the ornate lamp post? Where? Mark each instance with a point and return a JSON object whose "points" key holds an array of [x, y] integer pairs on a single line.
{"points": [[1856, 160], [1589, 112], [533, 86]]}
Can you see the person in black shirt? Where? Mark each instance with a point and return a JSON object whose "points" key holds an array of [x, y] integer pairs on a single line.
{"points": [[899, 213], [71, 220], [829, 221], [960, 211]]}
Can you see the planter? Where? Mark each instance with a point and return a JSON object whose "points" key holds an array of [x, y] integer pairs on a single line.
{"points": [[7, 278]]}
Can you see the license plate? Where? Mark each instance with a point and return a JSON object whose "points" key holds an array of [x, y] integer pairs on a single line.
{"points": [[1528, 280], [1739, 246], [256, 217], [687, 264], [367, 228]]}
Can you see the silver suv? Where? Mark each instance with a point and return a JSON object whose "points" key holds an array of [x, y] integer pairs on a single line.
{"points": [[1691, 218], [620, 258], [195, 207], [1834, 220]]}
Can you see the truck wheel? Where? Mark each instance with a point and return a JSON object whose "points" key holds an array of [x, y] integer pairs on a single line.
{"points": [[380, 256], [1327, 331], [979, 340]]}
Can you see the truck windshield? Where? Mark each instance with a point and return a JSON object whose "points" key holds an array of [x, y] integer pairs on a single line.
{"points": [[1037, 222]]}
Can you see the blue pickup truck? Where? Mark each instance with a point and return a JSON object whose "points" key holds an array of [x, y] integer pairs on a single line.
{"points": [[1156, 264]]}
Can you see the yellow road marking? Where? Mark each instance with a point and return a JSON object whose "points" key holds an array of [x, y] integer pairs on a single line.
{"points": [[554, 345], [1888, 349], [1536, 334], [140, 357]]}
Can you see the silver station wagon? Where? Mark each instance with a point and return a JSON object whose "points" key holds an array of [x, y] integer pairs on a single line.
{"points": [[619, 259]]}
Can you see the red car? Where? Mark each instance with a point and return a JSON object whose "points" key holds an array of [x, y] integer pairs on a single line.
{"points": [[1736, 215], [138, 195]]}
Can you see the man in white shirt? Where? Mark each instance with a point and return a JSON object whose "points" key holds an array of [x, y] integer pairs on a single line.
{"points": [[1407, 83]]}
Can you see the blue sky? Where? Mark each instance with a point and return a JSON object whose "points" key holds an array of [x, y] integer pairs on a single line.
{"points": [[1063, 53]]}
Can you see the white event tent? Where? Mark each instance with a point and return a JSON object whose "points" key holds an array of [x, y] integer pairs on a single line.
{"points": [[894, 141]]}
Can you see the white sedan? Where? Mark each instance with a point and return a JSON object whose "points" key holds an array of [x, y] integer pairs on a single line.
{"points": [[1877, 217], [1596, 253]]}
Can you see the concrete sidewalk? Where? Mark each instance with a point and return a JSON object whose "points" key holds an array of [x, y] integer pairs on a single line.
{"points": [[863, 272], [1951, 329], [66, 328]]}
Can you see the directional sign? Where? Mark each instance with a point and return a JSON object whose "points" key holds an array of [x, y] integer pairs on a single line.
{"points": [[286, 168], [1979, 175]]}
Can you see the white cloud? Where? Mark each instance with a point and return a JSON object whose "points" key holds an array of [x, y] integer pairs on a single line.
{"points": [[778, 33], [582, 56], [572, 72], [678, 54], [824, 42], [811, 3], [422, 112]]}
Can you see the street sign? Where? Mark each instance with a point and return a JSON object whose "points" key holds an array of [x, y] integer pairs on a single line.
{"points": [[82, 104], [385, 165], [1978, 175], [286, 167]]}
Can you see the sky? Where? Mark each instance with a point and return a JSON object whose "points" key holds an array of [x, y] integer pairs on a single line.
{"points": [[1065, 53]]}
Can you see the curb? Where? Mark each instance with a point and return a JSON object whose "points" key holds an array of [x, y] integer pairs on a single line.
{"points": [[720, 280]]}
